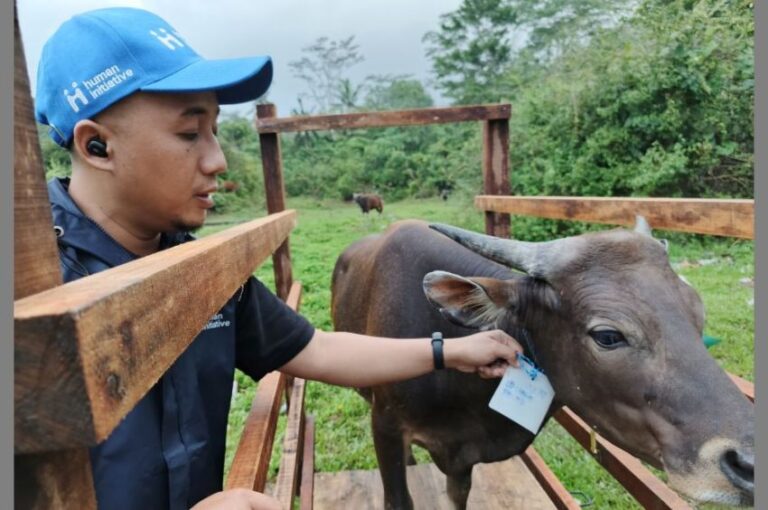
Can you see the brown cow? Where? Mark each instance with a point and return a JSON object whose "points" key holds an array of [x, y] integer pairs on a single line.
{"points": [[615, 329], [368, 201]]}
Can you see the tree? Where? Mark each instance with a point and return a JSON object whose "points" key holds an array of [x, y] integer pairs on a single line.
{"points": [[487, 49], [398, 92], [347, 95], [323, 69], [472, 49]]}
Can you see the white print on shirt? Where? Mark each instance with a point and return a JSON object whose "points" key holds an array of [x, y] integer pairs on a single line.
{"points": [[216, 322]]}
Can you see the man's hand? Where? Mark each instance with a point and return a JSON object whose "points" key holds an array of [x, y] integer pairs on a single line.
{"points": [[488, 353], [238, 499]]}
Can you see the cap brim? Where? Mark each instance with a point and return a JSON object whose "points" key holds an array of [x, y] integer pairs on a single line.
{"points": [[234, 80]]}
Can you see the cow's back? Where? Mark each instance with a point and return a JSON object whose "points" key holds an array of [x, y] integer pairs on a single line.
{"points": [[377, 281]]}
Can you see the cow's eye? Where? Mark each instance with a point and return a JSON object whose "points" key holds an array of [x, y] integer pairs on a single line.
{"points": [[608, 338]]}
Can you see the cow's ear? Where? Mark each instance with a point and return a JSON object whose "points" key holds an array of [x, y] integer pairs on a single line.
{"points": [[469, 302]]}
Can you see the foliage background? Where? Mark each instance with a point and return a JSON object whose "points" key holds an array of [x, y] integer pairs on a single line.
{"points": [[610, 98]]}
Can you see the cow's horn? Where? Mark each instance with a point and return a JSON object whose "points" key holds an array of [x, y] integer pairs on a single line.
{"points": [[537, 259], [642, 226]]}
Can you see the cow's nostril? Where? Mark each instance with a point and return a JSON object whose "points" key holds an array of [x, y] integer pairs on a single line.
{"points": [[739, 467]]}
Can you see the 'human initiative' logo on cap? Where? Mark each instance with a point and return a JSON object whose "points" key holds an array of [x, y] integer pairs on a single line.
{"points": [[75, 97], [97, 85]]}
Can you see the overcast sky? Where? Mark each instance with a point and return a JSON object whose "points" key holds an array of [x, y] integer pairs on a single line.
{"points": [[388, 32]]}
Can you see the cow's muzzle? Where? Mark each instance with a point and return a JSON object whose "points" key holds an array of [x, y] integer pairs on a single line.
{"points": [[738, 465]]}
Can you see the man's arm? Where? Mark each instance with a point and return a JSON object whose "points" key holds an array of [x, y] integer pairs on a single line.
{"points": [[349, 359]]}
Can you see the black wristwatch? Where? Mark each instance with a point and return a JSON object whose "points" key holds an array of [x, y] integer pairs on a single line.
{"points": [[437, 350]]}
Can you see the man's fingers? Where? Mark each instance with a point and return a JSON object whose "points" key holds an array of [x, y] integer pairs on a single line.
{"points": [[491, 372], [512, 347]]}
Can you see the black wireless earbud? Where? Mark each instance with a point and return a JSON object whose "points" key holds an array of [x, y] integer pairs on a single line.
{"points": [[96, 147]]}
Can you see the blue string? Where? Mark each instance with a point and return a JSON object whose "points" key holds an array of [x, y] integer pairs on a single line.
{"points": [[529, 366]]}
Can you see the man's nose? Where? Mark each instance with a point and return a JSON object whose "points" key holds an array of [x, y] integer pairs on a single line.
{"points": [[214, 162]]}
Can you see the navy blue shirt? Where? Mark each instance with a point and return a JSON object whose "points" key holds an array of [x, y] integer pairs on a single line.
{"points": [[168, 452]]}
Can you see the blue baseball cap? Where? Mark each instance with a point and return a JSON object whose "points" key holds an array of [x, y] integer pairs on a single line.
{"points": [[99, 57]]}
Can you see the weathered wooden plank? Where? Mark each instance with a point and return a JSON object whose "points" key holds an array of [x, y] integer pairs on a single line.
{"points": [[87, 351], [499, 485], [272, 166], [294, 302], [250, 465], [496, 172], [746, 387], [561, 498], [59, 479], [421, 116], [35, 255], [294, 296], [306, 490], [648, 490], [720, 217], [290, 460], [55, 480]]}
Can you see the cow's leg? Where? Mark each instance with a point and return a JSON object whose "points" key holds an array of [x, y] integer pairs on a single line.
{"points": [[411, 460], [458, 485], [391, 453], [458, 472]]}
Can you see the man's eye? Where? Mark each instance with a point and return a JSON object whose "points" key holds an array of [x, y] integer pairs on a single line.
{"points": [[190, 137]]}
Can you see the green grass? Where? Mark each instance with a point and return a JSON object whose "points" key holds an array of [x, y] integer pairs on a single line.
{"points": [[343, 438]]}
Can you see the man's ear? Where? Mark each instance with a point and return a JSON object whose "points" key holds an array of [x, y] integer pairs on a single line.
{"points": [[470, 302], [85, 131]]}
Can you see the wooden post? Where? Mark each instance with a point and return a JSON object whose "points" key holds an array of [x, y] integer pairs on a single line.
{"points": [[496, 172], [59, 479], [272, 163]]}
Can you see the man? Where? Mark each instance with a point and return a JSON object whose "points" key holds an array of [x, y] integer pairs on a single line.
{"points": [[137, 109]]}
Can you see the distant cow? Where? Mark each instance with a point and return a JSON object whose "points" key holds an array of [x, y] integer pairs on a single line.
{"points": [[229, 186], [617, 332], [369, 201]]}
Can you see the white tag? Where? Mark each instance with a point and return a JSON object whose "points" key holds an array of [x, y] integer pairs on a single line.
{"points": [[524, 395]]}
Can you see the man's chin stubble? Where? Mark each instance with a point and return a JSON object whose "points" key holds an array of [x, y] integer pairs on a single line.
{"points": [[181, 226]]}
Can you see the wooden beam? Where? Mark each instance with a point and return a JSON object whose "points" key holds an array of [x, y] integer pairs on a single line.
{"points": [[294, 302], [383, 119], [250, 465], [496, 172], [720, 217], [561, 498], [272, 166], [293, 441], [35, 255], [61, 479], [55, 480], [307, 489], [87, 351], [294, 297], [644, 486]]}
